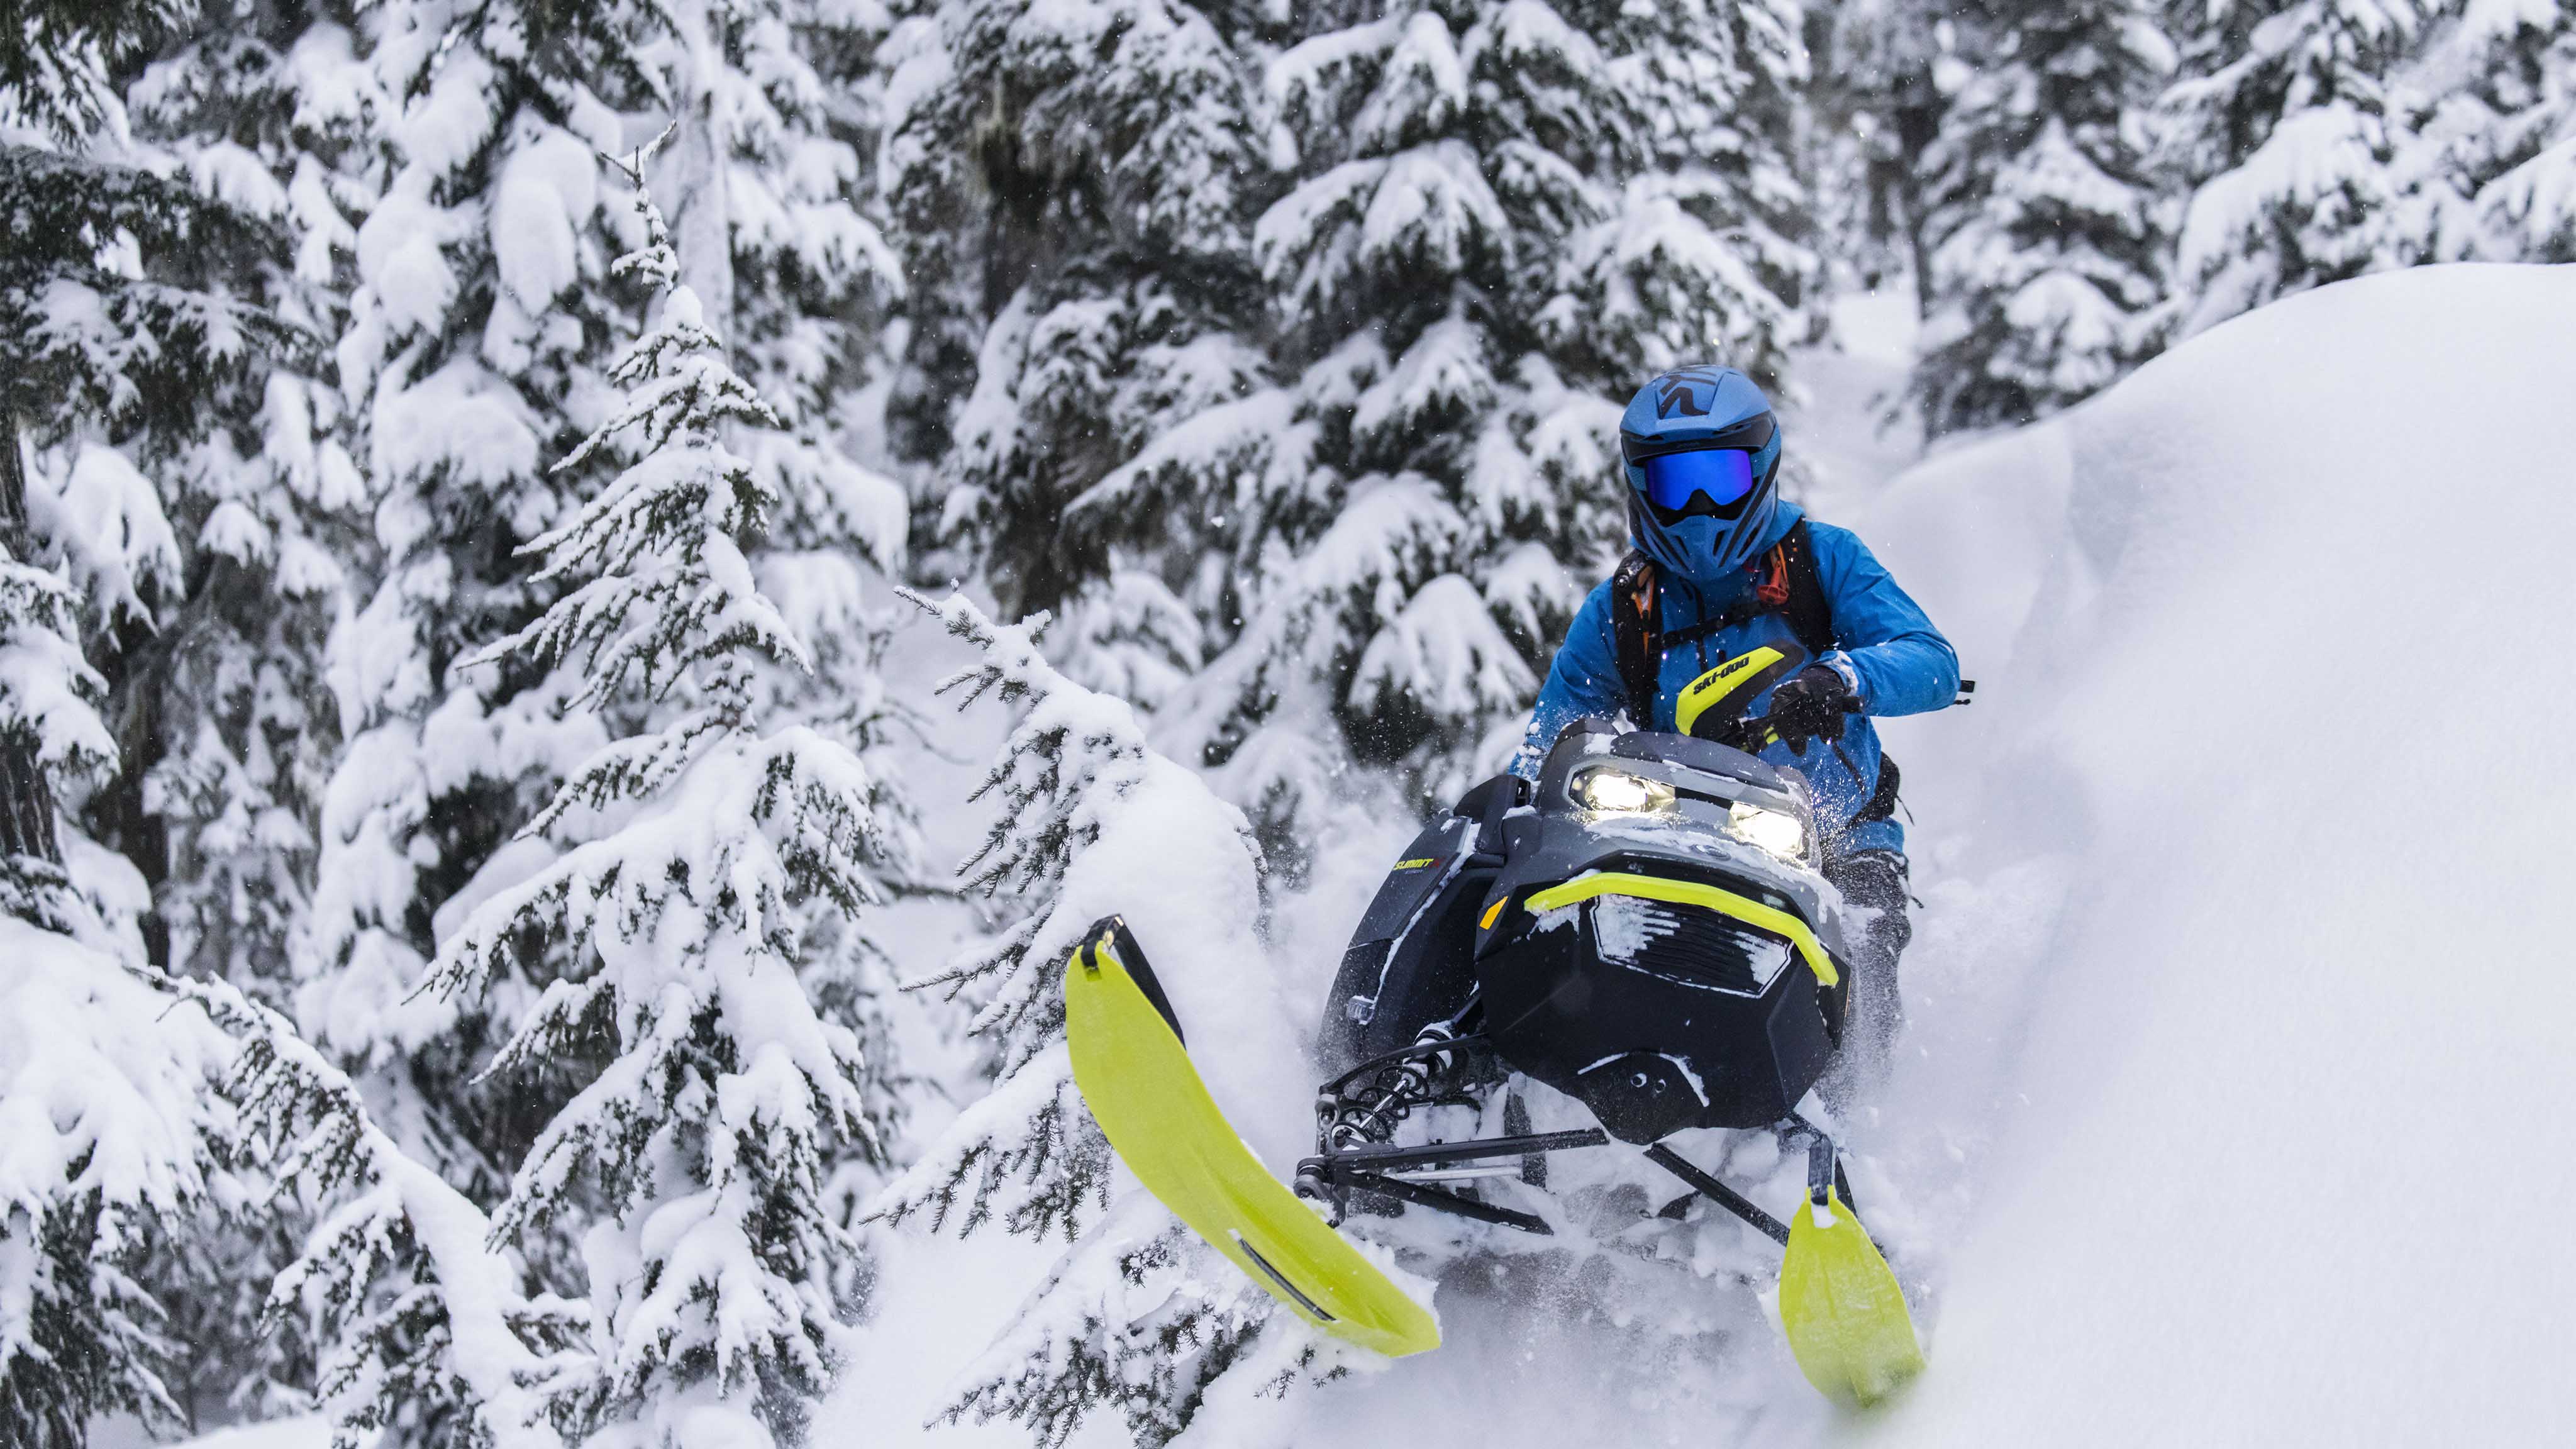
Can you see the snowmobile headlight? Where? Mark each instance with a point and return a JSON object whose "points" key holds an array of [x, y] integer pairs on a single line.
{"points": [[1776, 831], [1616, 792]]}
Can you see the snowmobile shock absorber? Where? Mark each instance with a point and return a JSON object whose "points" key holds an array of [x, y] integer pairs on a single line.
{"points": [[1346, 1117], [1372, 1118]]}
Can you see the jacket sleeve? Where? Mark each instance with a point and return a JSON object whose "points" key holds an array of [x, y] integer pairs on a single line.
{"points": [[1584, 679], [1901, 662]]}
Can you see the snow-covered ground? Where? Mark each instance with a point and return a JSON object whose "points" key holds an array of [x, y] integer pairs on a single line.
{"points": [[2281, 1148], [1847, 420]]}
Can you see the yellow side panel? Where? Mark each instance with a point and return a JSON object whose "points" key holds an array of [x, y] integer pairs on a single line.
{"points": [[1711, 689], [1149, 1101], [1844, 1314]]}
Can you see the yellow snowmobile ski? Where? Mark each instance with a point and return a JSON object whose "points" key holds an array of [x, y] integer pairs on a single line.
{"points": [[1844, 1313], [1136, 1077]]}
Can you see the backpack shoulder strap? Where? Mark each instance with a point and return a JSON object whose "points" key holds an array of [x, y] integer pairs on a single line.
{"points": [[1636, 641], [1810, 613]]}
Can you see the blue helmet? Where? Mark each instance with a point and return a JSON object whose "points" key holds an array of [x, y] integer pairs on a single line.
{"points": [[1702, 454]]}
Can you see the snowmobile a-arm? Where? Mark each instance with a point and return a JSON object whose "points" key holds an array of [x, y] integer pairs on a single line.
{"points": [[1708, 1186], [1343, 1180], [1334, 1174], [1824, 1171], [1478, 1149], [1356, 1112]]}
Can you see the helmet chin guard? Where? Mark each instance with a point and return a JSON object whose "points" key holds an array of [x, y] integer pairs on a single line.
{"points": [[1684, 410]]}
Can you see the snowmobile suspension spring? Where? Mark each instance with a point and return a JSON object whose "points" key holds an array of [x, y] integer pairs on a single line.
{"points": [[1373, 1119]]}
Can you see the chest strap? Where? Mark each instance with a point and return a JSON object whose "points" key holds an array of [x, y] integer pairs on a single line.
{"points": [[1791, 589]]}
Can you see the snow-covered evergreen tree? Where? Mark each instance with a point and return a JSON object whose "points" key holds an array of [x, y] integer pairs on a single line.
{"points": [[479, 317], [1139, 1316], [1064, 777], [2492, 158], [129, 299], [786, 95], [222, 704], [230, 735], [698, 1152], [139, 305], [2046, 237], [1879, 97], [480, 320], [1076, 185], [2280, 130], [1505, 217], [109, 1112], [110, 1107]]}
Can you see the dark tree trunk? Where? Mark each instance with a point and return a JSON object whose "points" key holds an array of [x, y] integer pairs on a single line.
{"points": [[1916, 108], [26, 801]]}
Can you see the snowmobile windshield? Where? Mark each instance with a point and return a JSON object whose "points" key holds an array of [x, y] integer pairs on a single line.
{"points": [[1701, 481]]}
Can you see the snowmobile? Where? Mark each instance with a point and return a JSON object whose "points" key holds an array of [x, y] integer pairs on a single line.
{"points": [[1645, 930]]}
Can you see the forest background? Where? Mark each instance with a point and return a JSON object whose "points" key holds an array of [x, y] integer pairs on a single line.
{"points": [[465, 831]]}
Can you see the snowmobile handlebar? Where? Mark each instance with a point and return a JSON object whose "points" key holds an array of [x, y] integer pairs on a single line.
{"points": [[1713, 706], [1752, 734]]}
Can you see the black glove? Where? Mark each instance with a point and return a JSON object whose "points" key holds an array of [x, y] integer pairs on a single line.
{"points": [[1811, 707]]}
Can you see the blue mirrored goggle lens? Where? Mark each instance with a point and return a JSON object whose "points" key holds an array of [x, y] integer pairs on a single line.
{"points": [[1724, 474]]}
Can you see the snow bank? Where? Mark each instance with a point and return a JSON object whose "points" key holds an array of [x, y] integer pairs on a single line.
{"points": [[2273, 639]]}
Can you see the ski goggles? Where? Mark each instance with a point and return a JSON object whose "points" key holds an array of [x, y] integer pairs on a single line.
{"points": [[1712, 481]]}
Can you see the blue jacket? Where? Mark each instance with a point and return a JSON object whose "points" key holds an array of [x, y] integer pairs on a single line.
{"points": [[1898, 662]]}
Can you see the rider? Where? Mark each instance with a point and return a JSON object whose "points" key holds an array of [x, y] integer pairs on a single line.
{"points": [[1723, 564]]}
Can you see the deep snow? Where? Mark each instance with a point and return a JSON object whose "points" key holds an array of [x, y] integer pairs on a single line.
{"points": [[2288, 702]]}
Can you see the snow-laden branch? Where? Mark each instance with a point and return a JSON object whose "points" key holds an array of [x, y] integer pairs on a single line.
{"points": [[426, 1315]]}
